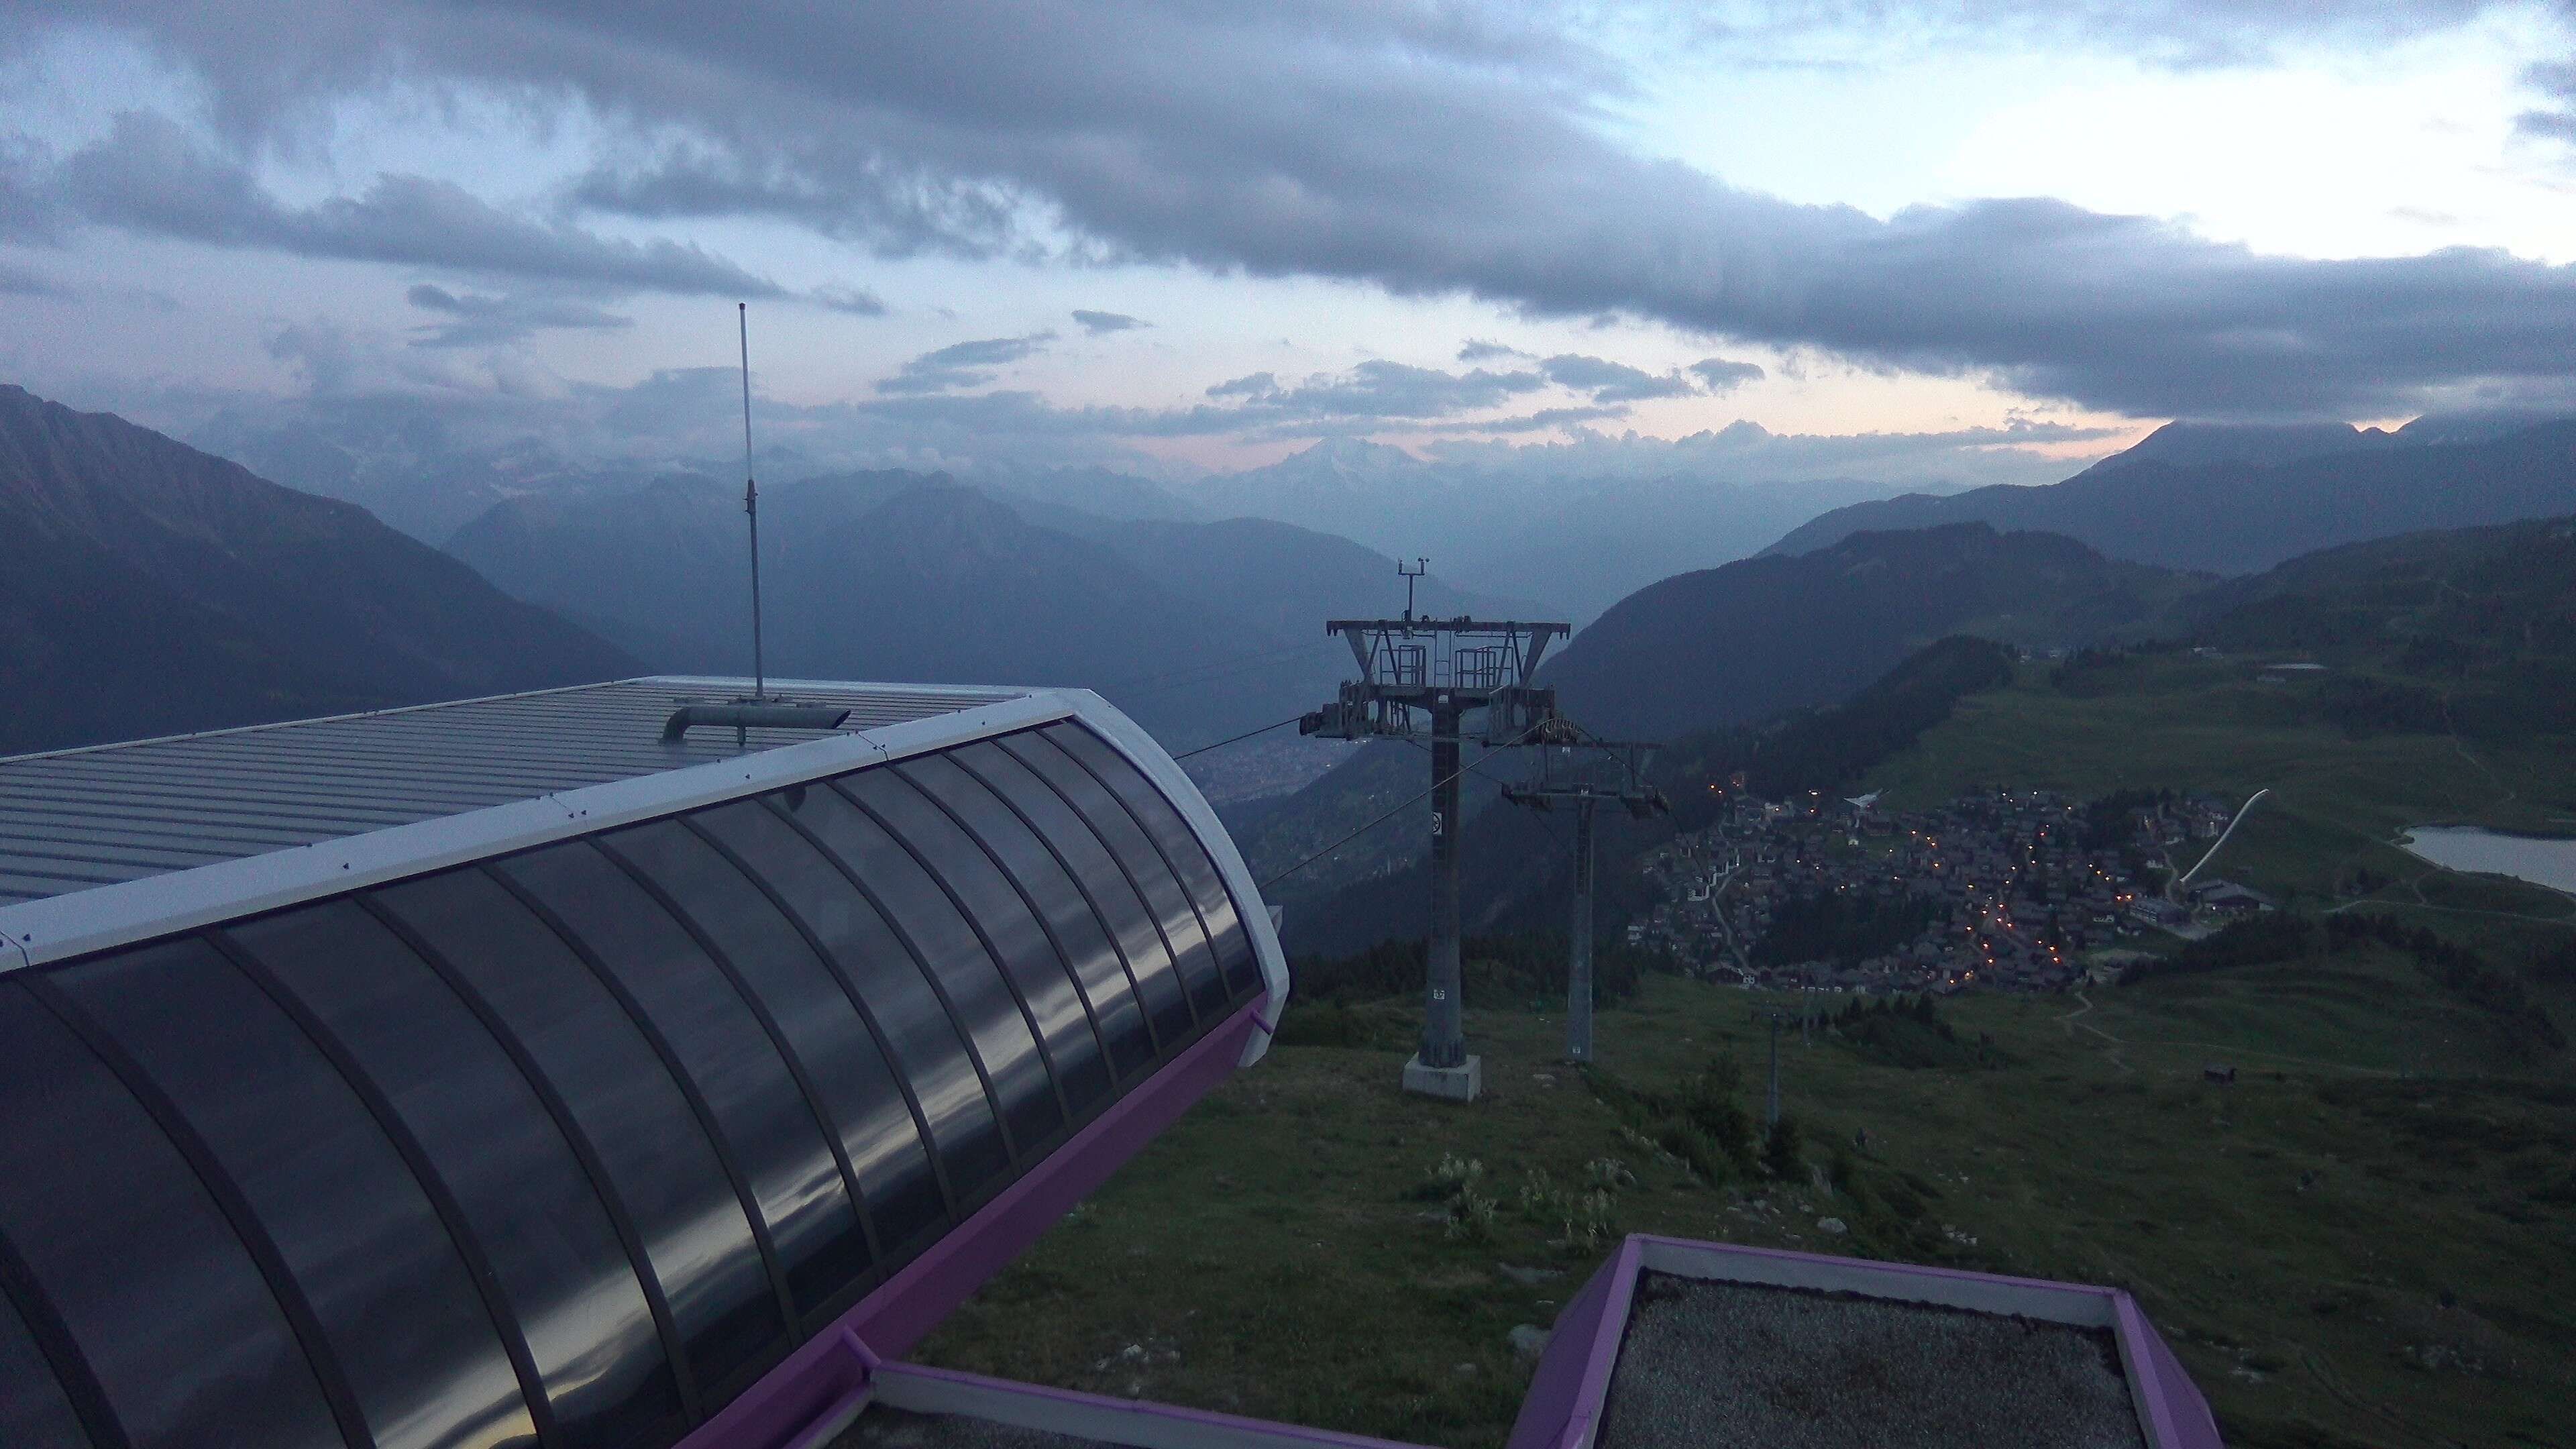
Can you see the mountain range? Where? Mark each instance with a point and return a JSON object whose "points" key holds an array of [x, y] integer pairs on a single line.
{"points": [[1198, 629], [135, 583], [1576, 528], [2235, 505], [2463, 633], [152, 589], [2459, 631], [1578, 542], [1749, 639]]}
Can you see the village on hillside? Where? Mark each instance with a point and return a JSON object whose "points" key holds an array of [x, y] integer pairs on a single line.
{"points": [[2006, 891]]}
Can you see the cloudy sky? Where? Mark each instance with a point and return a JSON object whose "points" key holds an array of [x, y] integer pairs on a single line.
{"points": [[1198, 234]]}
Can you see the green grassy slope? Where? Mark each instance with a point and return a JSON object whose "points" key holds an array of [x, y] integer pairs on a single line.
{"points": [[2368, 1239], [2342, 1251]]}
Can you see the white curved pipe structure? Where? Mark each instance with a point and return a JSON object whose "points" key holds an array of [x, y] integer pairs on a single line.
{"points": [[2184, 879]]}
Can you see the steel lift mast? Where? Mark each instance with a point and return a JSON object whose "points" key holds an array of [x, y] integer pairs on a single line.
{"points": [[1443, 670], [1586, 777]]}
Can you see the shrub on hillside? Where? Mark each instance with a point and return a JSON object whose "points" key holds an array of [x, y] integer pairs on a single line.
{"points": [[1782, 1148], [2254, 941], [2460, 971], [1702, 1124]]}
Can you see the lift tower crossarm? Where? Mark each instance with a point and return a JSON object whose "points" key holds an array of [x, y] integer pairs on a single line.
{"points": [[1446, 668]]}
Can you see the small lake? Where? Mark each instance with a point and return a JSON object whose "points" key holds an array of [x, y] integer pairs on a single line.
{"points": [[2538, 859]]}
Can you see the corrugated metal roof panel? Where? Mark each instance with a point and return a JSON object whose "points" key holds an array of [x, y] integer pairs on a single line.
{"points": [[71, 820]]}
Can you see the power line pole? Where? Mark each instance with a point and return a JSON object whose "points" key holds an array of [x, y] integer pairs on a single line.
{"points": [[1587, 777], [1778, 1018], [1578, 953], [1445, 670]]}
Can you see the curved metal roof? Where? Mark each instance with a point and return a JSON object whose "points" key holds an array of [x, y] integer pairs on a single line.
{"points": [[71, 820], [565, 1120]]}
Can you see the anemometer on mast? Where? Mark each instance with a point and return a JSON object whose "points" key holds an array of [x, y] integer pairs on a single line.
{"points": [[1420, 566]]}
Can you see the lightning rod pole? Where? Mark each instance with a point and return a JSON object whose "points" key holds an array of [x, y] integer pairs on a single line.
{"points": [[751, 507]]}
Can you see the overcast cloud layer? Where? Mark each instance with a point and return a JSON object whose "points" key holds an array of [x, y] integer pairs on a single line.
{"points": [[1423, 149]]}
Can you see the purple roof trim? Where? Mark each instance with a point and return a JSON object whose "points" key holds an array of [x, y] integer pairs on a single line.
{"points": [[1557, 1388], [828, 1369], [1877, 1266], [2176, 1411], [1228, 1425]]}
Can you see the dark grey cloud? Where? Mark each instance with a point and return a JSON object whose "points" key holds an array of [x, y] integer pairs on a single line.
{"points": [[472, 320], [328, 356], [1095, 323], [1613, 382], [962, 364], [16, 281], [1720, 375], [1478, 350], [1745, 451], [150, 175], [858, 301], [1426, 149], [896, 206], [1375, 390], [2555, 118], [1371, 396], [436, 413], [1548, 420], [29, 212], [2180, 34]]}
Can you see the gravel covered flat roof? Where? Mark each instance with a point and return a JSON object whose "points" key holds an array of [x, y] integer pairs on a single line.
{"points": [[886, 1427], [1713, 1365]]}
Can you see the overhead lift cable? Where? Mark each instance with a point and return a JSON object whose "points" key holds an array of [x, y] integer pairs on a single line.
{"points": [[1522, 738], [1238, 739]]}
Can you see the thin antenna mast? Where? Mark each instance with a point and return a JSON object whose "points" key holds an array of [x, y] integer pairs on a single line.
{"points": [[751, 507], [1410, 574]]}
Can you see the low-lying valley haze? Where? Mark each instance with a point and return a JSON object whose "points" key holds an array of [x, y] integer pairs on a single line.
{"points": [[1015, 725]]}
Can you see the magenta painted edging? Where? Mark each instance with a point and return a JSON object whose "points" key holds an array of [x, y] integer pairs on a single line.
{"points": [[1558, 1384], [2179, 1415], [1569, 1419], [904, 1308], [1879, 1265], [1206, 1418]]}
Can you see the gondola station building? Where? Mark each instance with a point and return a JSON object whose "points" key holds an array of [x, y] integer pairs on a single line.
{"points": [[628, 1066]]}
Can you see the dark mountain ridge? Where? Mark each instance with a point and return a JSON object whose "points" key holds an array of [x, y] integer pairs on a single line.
{"points": [[154, 589], [1580, 539], [1749, 639], [2240, 516], [2186, 444], [2469, 631], [1198, 629]]}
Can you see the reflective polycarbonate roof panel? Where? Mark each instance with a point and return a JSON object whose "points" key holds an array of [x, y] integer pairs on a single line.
{"points": [[75, 819]]}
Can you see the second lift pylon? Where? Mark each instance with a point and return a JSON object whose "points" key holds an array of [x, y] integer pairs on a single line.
{"points": [[1583, 777]]}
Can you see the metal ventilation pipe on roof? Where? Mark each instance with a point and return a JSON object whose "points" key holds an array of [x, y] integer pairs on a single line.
{"points": [[753, 716]]}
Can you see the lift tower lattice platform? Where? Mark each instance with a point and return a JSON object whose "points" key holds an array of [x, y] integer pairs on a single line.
{"points": [[1444, 670]]}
